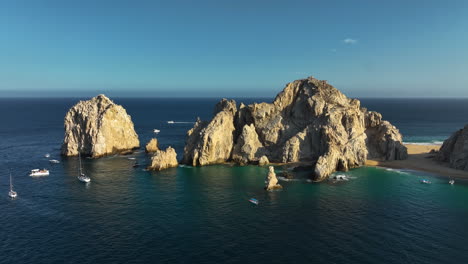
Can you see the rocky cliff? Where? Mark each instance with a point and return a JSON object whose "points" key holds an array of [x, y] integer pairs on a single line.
{"points": [[309, 121], [455, 150], [271, 182], [98, 127]]}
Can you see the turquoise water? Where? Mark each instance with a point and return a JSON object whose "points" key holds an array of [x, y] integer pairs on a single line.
{"points": [[202, 215]]}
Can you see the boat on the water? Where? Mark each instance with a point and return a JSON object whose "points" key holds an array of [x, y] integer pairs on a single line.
{"points": [[254, 201], [12, 193], [424, 181], [170, 122], [53, 161], [81, 176], [38, 172], [156, 131], [452, 182], [136, 165], [47, 155]]}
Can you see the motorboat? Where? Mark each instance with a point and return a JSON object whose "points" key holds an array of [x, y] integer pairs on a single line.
{"points": [[156, 131], [47, 155], [340, 177], [254, 201], [53, 161], [81, 176], [12, 193], [424, 181], [452, 182], [38, 172], [170, 122]]}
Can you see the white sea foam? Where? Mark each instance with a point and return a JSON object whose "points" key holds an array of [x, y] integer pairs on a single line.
{"points": [[425, 143]]}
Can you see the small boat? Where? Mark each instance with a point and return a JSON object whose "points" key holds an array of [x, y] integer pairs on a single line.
{"points": [[452, 182], [12, 193], [340, 177], [38, 172], [254, 201], [424, 181], [54, 161], [156, 131], [131, 158], [47, 155], [81, 176], [170, 122]]}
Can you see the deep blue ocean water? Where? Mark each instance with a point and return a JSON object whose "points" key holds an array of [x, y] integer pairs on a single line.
{"points": [[201, 215]]}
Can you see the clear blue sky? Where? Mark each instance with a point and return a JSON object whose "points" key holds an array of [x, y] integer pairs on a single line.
{"points": [[232, 48]]}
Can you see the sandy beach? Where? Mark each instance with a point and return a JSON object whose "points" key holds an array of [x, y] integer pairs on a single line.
{"points": [[420, 159]]}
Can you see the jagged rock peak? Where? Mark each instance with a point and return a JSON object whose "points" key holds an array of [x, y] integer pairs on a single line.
{"points": [[98, 127], [455, 150], [163, 159]]}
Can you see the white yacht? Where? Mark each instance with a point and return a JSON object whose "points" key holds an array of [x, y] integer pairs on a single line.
{"points": [[38, 172], [156, 131], [54, 161], [81, 176], [12, 193], [170, 122]]}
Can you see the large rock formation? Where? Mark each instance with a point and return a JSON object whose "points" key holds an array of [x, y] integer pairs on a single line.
{"points": [[164, 159], [309, 121], [98, 127], [455, 150], [212, 142], [271, 182]]}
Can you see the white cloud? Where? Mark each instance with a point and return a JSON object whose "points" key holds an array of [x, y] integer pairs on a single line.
{"points": [[350, 41]]}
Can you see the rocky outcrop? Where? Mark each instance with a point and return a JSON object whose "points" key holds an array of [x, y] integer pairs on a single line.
{"points": [[248, 147], [310, 122], [163, 159], [212, 142], [263, 161], [152, 146], [98, 127], [271, 182], [455, 150], [384, 140]]}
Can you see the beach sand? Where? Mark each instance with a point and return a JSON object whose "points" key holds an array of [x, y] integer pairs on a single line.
{"points": [[420, 159]]}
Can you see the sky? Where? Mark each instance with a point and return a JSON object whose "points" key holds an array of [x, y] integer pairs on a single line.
{"points": [[232, 48]]}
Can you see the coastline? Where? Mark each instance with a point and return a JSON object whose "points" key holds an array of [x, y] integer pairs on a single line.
{"points": [[420, 159]]}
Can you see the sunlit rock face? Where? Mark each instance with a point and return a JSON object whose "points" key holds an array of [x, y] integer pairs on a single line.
{"points": [[98, 127]]}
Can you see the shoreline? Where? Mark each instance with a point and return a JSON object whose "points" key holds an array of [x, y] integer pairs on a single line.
{"points": [[420, 159]]}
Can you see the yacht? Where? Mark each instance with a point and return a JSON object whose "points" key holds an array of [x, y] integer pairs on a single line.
{"points": [[156, 131], [38, 172], [12, 193], [54, 161], [170, 122], [81, 176]]}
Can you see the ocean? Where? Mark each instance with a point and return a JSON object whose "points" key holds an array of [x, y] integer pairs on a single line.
{"points": [[202, 215]]}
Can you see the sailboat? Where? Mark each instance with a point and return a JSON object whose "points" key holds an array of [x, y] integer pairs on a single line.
{"points": [[12, 193], [81, 176]]}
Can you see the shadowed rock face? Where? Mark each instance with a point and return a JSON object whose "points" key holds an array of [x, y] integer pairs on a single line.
{"points": [[309, 121], [98, 127], [455, 150]]}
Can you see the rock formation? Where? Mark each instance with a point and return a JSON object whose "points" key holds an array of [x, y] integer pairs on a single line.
{"points": [[310, 122], [455, 150], [152, 146], [212, 142], [98, 127], [163, 159], [263, 161], [271, 182]]}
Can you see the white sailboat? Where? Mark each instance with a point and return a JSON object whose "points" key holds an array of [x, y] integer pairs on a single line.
{"points": [[12, 193], [81, 176]]}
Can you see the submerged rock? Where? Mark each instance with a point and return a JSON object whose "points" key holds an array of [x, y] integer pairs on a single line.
{"points": [[152, 146], [310, 122], [98, 127], [455, 150], [271, 182], [164, 159]]}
